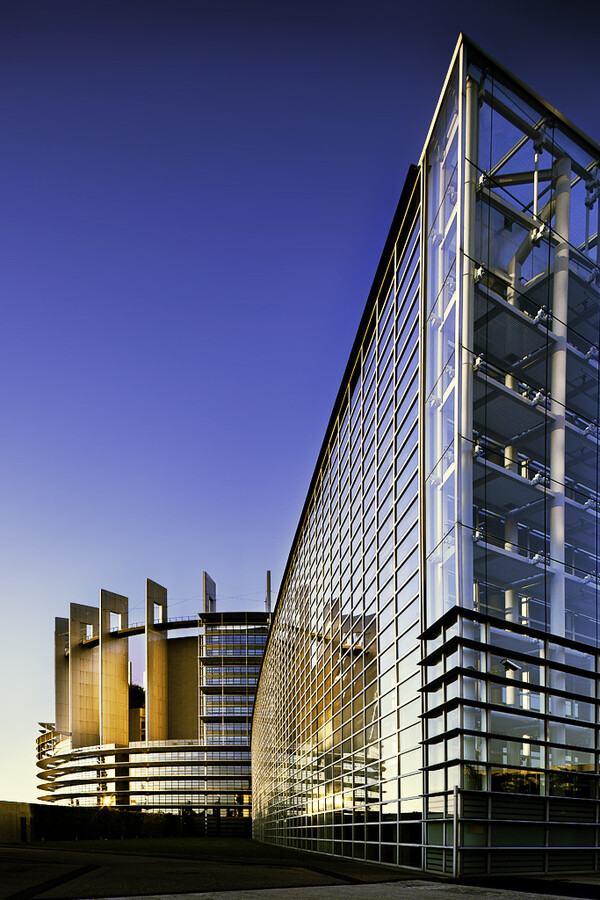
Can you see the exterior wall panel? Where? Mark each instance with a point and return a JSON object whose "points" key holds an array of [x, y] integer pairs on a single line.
{"points": [[61, 674], [157, 671], [84, 670], [182, 660], [114, 675]]}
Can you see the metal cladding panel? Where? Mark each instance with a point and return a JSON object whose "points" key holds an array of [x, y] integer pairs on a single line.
{"points": [[182, 656], [114, 691], [61, 676], [157, 716], [209, 591], [84, 672]]}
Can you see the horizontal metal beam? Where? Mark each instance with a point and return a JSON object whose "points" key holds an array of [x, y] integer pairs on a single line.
{"points": [[507, 209], [532, 132], [512, 152], [521, 177]]}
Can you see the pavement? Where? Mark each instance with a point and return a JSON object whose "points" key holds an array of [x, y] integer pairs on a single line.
{"points": [[405, 890], [29, 872]]}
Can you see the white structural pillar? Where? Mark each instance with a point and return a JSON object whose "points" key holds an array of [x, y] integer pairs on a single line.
{"points": [[465, 343], [560, 307]]}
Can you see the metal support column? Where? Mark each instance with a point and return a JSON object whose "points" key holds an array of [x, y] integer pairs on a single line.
{"points": [[560, 304], [511, 543]]}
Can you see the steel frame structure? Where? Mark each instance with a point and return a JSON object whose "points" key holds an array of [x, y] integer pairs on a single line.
{"points": [[498, 229]]}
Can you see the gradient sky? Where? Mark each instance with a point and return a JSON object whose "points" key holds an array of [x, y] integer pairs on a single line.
{"points": [[193, 204]]}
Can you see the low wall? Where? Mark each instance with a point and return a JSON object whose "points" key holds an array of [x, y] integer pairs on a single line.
{"points": [[23, 822], [15, 822]]}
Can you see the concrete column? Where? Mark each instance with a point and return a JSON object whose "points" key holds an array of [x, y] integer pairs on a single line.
{"points": [[157, 714], [114, 658], [84, 677]]}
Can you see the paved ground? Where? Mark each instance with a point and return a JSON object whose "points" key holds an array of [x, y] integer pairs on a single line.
{"points": [[31, 872], [403, 890], [28, 872]]}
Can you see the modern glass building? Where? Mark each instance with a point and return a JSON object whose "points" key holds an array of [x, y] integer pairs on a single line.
{"points": [[429, 692], [182, 741]]}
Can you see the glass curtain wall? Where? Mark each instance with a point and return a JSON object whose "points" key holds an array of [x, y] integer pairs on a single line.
{"points": [[440, 392], [512, 466], [336, 735], [230, 649]]}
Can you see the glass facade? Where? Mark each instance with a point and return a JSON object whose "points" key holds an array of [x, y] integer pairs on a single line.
{"points": [[434, 651], [336, 746], [150, 777], [231, 647]]}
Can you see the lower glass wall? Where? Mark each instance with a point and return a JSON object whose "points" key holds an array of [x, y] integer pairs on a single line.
{"points": [[154, 777], [510, 749], [336, 735], [505, 754], [351, 781]]}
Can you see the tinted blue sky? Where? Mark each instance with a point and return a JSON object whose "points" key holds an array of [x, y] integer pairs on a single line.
{"points": [[193, 203]]}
